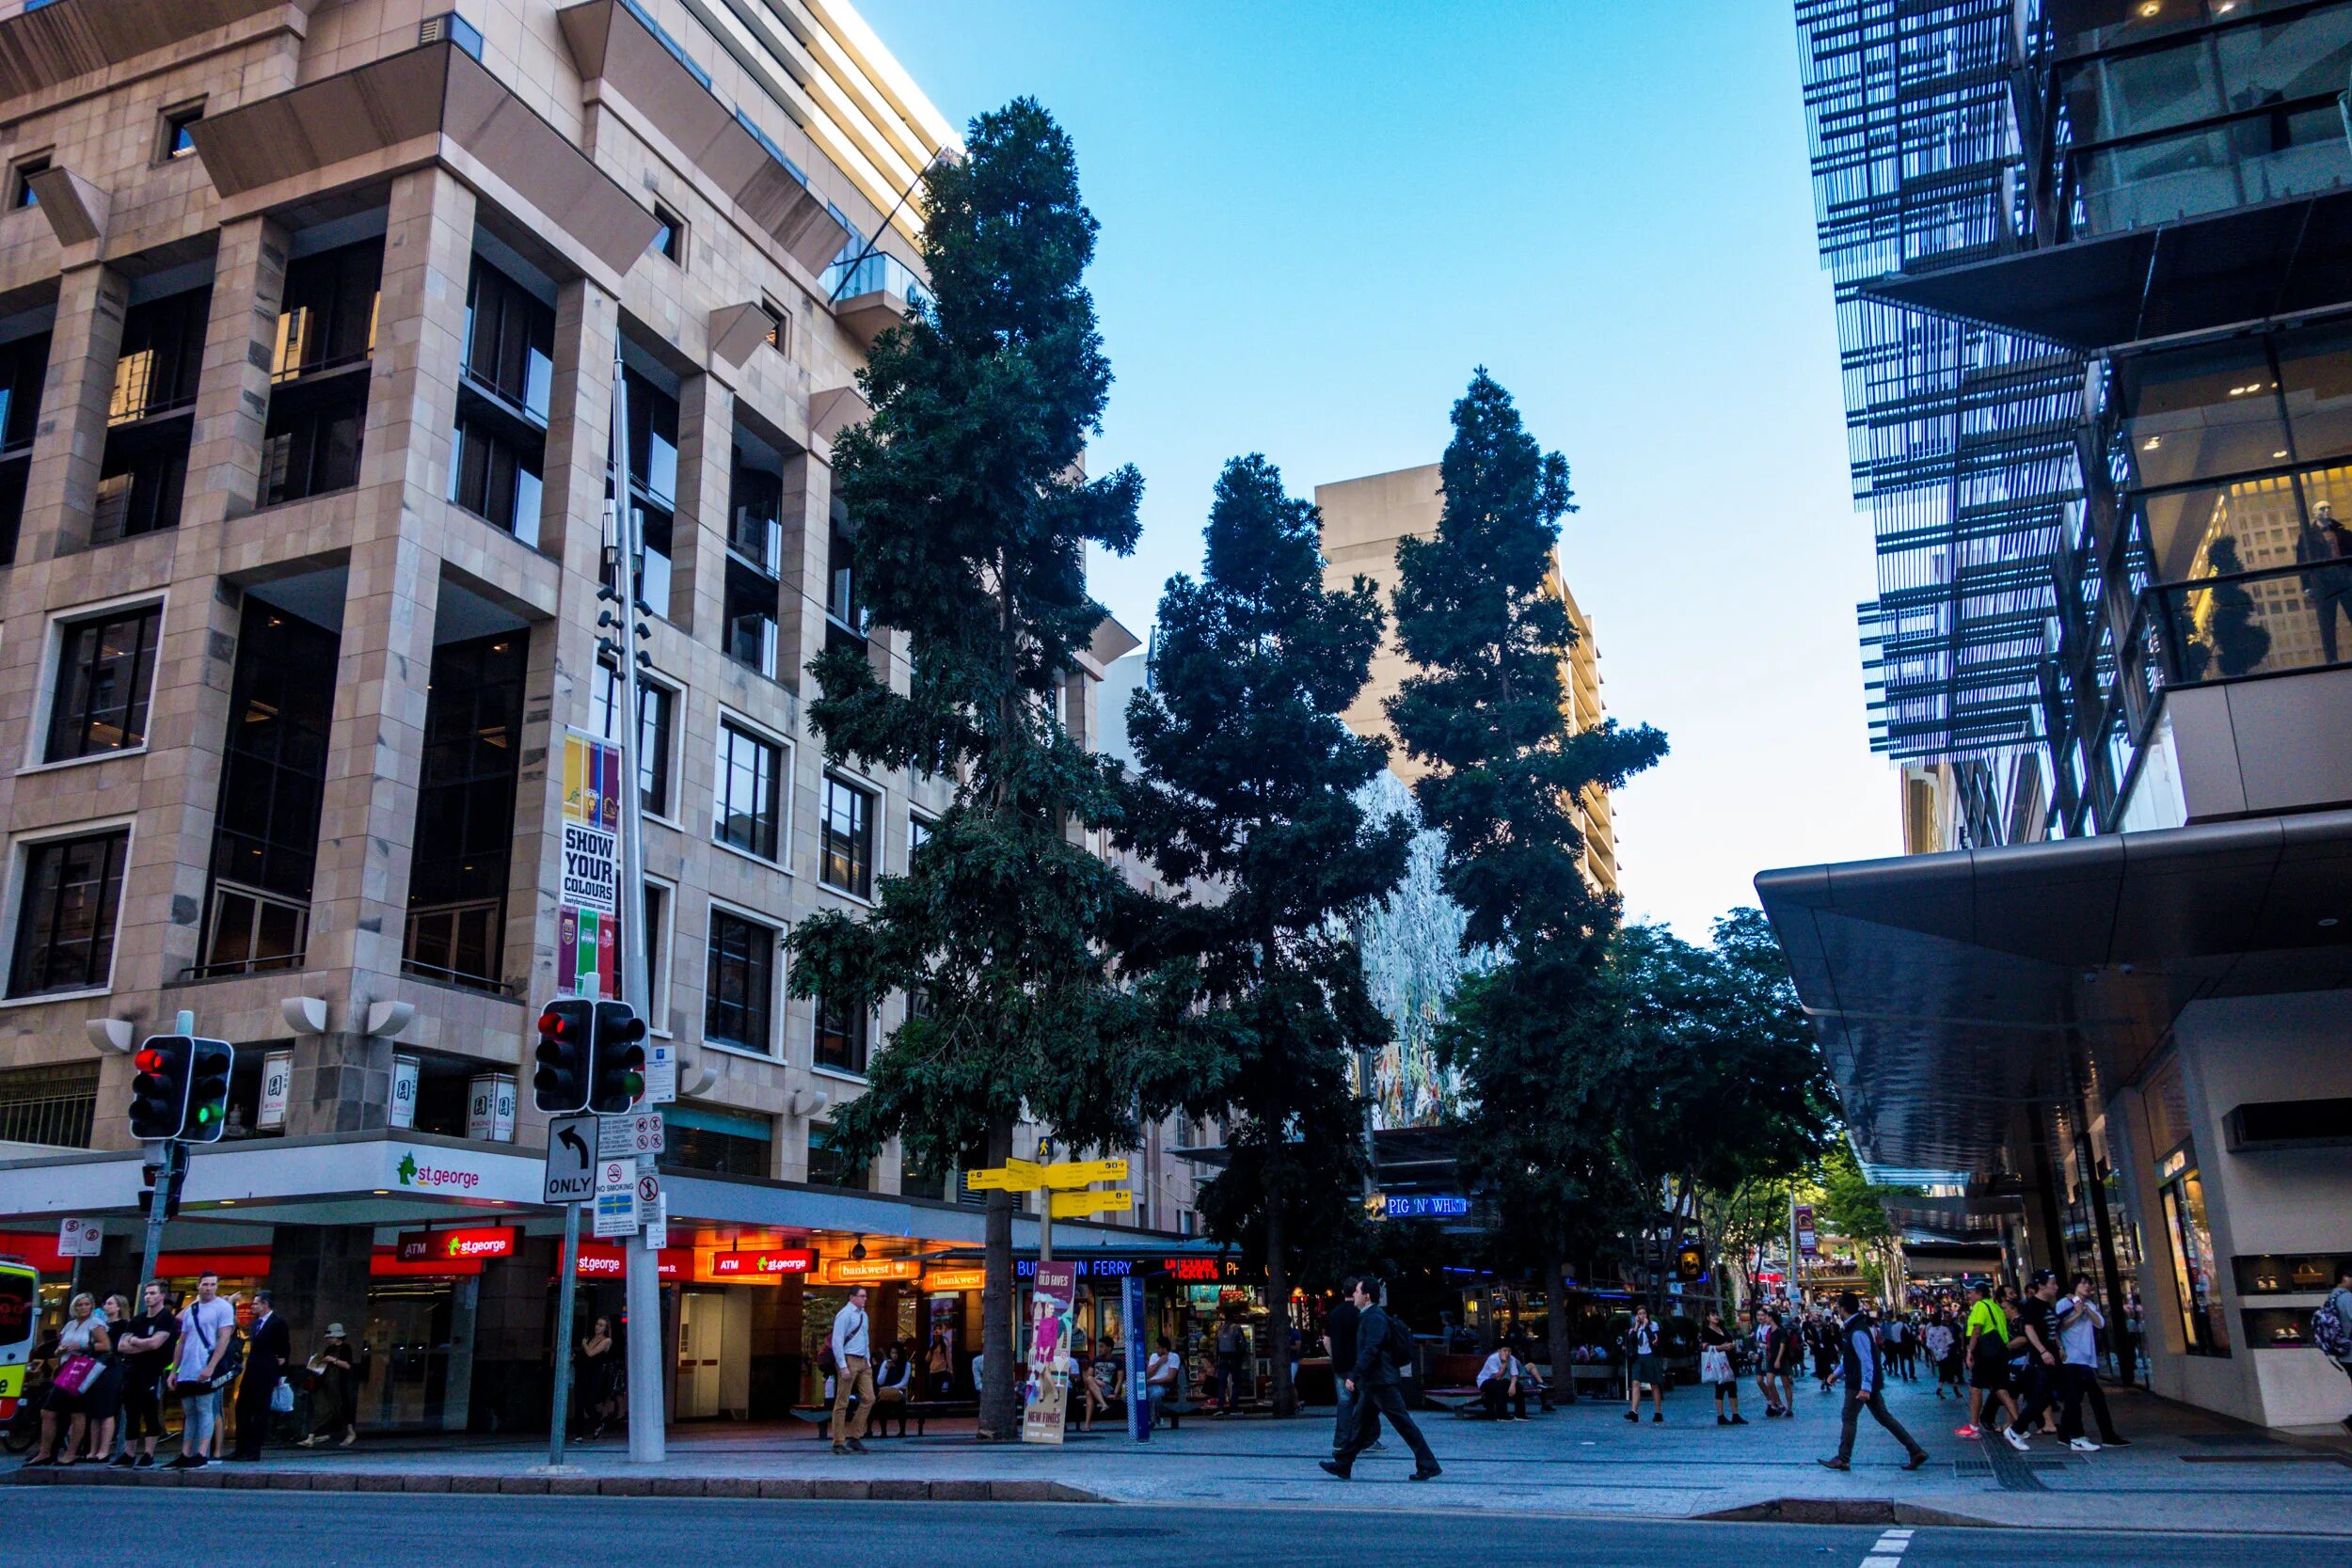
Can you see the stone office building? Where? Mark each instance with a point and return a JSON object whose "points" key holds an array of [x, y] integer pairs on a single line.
{"points": [[308, 315]]}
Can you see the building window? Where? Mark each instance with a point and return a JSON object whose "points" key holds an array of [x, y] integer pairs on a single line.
{"points": [[2204, 1325], [751, 619], [65, 928], [465, 828], [846, 838], [20, 192], [56, 1105], [749, 809], [656, 1008], [779, 325], [143, 471], [840, 1035], [319, 373], [273, 784], [826, 1166], [502, 399], [652, 483], [106, 674], [704, 1137], [510, 342], [740, 983], [657, 707], [669, 235], [23, 367], [179, 139], [845, 608], [498, 479]]}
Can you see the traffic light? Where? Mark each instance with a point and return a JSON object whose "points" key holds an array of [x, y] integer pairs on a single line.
{"points": [[210, 1063], [618, 1079], [159, 1088], [566, 1030]]}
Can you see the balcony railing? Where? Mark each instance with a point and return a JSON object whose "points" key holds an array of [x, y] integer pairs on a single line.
{"points": [[878, 273], [252, 931], [458, 943]]}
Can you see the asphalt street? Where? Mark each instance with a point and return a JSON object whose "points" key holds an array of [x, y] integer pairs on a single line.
{"points": [[283, 1529]]}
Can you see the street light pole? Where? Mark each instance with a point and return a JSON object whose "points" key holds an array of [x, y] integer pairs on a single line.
{"points": [[647, 1441]]}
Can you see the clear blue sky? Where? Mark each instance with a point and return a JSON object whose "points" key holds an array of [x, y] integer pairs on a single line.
{"points": [[1318, 217]]}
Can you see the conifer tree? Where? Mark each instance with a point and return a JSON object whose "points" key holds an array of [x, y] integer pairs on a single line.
{"points": [[1536, 1036], [1247, 801], [970, 513]]}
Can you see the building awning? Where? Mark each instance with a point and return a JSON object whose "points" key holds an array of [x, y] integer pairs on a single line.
{"points": [[435, 103], [2190, 276], [1950, 991]]}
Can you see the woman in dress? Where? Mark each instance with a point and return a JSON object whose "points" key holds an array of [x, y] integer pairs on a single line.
{"points": [[1717, 1366], [597, 1375], [337, 1404], [84, 1334], [104, 1401]]}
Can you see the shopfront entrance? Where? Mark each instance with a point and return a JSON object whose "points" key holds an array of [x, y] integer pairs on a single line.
{"points": [[713, 1369]]}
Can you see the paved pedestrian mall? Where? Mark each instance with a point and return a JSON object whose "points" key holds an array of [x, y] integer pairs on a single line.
{"points": [[2186, 1469]]}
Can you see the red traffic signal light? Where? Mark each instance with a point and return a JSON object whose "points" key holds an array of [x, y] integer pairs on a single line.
{"points": [[159, 1089], [566, 1039]]}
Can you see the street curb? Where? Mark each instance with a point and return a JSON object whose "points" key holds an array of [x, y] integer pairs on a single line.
{"points": [[1845, 1510], [768, 1488]]}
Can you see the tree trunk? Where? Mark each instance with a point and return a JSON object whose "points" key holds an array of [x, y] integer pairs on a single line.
{"points": [[1556, 1325], [1000, 1409], [1277, 1297]]}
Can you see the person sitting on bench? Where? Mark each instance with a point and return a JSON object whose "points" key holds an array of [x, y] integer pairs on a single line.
{"points": [[893, 1387], [1502, 1379]]}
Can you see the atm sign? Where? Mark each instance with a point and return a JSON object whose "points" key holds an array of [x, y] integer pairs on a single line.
{"points": [[434, 1247], [759, 1264]]}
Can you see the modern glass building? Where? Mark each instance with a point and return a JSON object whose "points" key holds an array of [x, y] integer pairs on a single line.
{"points": [[2093, 266]]}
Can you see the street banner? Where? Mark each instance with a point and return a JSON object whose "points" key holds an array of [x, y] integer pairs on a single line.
{"points": [[1050, 1325], [588, 898], [1138, 1343], [1809, 1240]]}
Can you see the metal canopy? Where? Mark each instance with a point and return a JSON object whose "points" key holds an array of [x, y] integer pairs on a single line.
{"points": [[1953, 990], [2190, 276]]}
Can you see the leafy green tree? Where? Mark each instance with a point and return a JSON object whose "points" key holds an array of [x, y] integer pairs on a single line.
{"points": [[971, 515], [1247, 798], [1726, 1089], [1854, 1207], [1485, 711]]}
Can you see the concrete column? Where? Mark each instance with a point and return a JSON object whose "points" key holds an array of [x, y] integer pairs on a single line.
{"points": [[801, 630], [232, 393], [563, 679], [62, 484], [318, 1275], [342, 1081], [457, 1387], [421, 334], [698, 562]]}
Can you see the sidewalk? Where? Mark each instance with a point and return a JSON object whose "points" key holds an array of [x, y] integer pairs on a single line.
{"points": [[2186, 1471]]}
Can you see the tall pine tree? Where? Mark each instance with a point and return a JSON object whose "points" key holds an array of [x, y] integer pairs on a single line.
{"points": [[1247, 801], [1534, 1036], [970, 513]]}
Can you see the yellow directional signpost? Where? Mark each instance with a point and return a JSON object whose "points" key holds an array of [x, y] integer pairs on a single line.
{"points": [[1061, 1181], [1073, 1205]]}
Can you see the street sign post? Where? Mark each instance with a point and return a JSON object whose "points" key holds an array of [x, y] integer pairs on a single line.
{"points": [[1068, 1206], [571, 1168], [629, 1135], [1068, 1174]]}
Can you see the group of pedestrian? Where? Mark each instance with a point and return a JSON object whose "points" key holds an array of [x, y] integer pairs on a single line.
{"points": [[2035, 1356], [115, 1370]]}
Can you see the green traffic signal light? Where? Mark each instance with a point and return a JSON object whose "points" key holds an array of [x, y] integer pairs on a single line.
{"points": [[211, 1063], [617, 1077]]}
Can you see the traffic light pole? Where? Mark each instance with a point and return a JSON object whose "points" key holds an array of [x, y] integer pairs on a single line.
{"points": [[567, 1286], [647, 1441], [157, 1200]]}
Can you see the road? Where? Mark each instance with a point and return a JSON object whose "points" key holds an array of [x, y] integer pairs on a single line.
{"points": [[296, 1530]]}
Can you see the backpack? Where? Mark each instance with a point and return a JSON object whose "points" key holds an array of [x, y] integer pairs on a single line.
{"points": [[1398, 1344], [825, 1362], [2330, 1335], [1229, 1340]]}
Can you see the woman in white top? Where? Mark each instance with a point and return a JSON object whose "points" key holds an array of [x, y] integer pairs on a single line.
{"points": [[84, 1334]]}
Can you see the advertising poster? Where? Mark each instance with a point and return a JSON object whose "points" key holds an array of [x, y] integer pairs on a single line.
{"points": [[588, 901], [1139, 1352], [1809, 1240], [1048, 1390]]}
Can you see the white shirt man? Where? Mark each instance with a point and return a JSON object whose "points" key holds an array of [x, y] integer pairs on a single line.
{"points": [[1501, 1382], [852, 1357], [206, 1327]]}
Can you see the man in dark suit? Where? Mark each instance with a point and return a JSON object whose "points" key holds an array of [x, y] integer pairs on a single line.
{"points": [[267, 1346], [1372, 1382]]}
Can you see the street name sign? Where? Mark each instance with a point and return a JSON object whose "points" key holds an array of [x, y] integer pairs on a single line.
{"points": [[1073, 1205]]}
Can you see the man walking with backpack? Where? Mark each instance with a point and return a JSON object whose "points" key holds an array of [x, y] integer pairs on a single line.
{"points": [[853, 1356], [1865, 1386], [2331, 1326], [1383, 1343]]}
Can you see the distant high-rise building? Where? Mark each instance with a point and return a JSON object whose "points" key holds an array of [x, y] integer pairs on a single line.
{"points": [[1363, 522]]}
